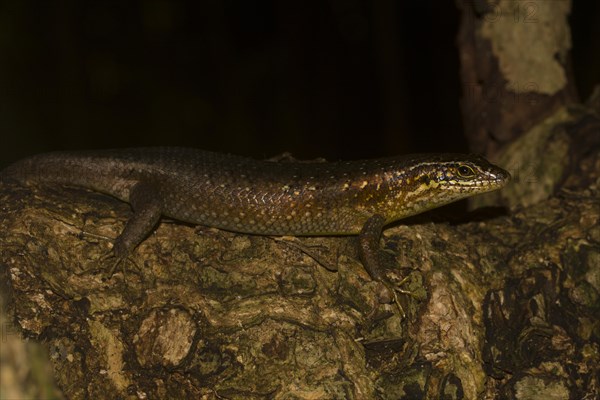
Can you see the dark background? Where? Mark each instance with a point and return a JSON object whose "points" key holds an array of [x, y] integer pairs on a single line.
{"points": [[319, 78]]}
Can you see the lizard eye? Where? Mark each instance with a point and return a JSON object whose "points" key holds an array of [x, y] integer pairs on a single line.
{"points": [[464, 171]]}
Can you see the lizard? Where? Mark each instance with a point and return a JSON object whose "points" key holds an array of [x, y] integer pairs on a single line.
{"points": [[265, 197]]}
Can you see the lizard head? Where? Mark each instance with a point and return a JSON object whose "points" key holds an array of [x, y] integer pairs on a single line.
{"points": [[434, 180]]}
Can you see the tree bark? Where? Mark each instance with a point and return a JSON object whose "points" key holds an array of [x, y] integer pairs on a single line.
{"points": [[504, 300], [500, 306], [514, 66]]}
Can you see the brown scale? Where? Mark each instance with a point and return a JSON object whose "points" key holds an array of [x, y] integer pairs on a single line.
{"points": [[265, 197]]}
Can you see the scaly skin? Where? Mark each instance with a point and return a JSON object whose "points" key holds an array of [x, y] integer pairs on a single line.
{"points": [[265, 197]]}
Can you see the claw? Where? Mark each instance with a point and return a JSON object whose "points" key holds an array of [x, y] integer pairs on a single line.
{"points": [[119, 261], [394, 286], [394, 292], [399, 289]]}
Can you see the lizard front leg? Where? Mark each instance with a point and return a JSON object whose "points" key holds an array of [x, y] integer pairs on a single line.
{"points": [[368, 249], [147, 209]]}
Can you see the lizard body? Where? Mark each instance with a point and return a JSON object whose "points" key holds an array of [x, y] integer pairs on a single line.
{"points": [[264, 197]]}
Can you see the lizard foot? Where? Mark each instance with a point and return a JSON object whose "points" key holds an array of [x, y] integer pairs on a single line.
{"points": [[396, 286], [318, 253], [391, 291], [115, 262]]}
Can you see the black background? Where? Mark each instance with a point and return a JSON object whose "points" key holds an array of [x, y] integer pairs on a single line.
{"points": [[319, 78]]}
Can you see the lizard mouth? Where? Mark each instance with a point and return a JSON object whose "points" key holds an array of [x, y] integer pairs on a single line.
{"points": [[493, 179], [500, 177]]}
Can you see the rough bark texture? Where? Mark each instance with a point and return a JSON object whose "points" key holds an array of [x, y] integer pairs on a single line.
{"points": [[515, 67], [503, 306], [505, 301]]}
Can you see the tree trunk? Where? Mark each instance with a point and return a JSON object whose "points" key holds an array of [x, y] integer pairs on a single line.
{"points": [[504, 301]]}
